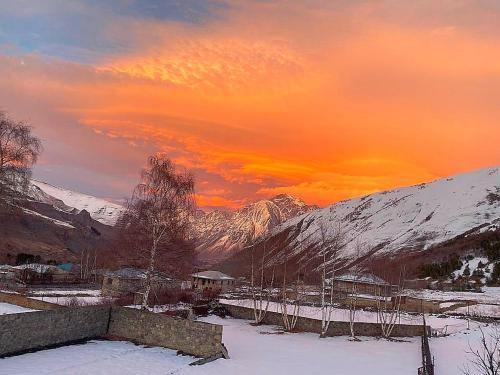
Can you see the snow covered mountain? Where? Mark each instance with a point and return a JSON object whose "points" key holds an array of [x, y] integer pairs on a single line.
{"points": [[69, 201], [221, 233], [401, 220]]}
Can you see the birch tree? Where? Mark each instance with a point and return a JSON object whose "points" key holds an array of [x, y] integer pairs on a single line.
{"points": [[261, 291], [19, 151], [331, 242], [389, 306], [352, 300], [158, 216]]}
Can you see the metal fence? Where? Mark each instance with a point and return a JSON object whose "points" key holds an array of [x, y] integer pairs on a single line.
{"points": [[427, 359]]}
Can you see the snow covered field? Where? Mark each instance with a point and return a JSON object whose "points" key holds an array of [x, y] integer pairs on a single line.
{"points": [[253, 350], [7, 308], [67, 300], [439, 322]]}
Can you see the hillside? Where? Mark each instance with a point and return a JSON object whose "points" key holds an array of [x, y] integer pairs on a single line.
{"points": [[400, 221], [101, 210]]}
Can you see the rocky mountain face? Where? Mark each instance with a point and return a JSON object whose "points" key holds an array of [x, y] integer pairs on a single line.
{"points": [[221, 233], [415, 219]]}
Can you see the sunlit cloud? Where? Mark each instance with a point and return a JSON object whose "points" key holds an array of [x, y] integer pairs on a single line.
{"points": [[322, 100]]}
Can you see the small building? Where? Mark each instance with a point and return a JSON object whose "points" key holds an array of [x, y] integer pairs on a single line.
{"points": [[130, 281], [212, 280], [40, 274], [364, 283]]}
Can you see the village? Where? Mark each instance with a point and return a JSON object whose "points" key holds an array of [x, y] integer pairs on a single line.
{"points": [[362, 307]]}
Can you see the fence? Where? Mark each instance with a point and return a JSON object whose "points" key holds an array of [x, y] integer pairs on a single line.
{"points": [[427, 360]]}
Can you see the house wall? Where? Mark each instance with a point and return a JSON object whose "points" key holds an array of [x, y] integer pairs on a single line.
{"points": [[204, 283], [41, 329], [336, 328]]}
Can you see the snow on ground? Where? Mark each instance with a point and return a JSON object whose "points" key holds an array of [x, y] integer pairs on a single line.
{"points": [[96, 358], [473, 263], [67, 300], [253, 350], [440, 322], [7, 308], [481, 310], [450, 352], [55, 221], [66, 292], [164, 308], [490, 295]]}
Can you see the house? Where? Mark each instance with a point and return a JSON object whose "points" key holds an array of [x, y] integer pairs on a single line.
{"points": [[212, 280], [38, 274], [362, 283], [130, 281]]}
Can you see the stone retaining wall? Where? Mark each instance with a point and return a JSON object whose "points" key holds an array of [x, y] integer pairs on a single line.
{"points": [[29, 303], [336, 328], [191, 337], [41, 329]]}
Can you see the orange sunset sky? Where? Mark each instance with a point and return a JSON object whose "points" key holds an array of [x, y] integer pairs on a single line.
{"points": [[324, 100]]}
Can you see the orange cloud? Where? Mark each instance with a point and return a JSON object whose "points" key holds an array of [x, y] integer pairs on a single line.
{"points": [[322, 101]]}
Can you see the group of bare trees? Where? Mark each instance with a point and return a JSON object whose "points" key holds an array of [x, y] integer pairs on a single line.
{"points": [[325, 262]]}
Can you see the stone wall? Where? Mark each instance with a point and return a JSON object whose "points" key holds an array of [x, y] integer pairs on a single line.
{"points": [[40, 329], [336, 328], [30, 303], [191, 337]]}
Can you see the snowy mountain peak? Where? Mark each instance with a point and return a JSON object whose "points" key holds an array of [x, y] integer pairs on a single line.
{"points": [[219, 233], [69, 201]]}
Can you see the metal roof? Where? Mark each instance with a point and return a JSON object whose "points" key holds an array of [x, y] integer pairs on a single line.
{"points": [[365, 278], [212, 275]]}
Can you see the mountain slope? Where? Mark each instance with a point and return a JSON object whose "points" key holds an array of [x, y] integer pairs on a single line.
{"points": [[401, 220], [101, 210], [221, 233]]}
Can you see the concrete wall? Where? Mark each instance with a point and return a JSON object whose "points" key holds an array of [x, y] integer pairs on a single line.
{"points": [[30, 303], [336, 328], [191, 337], [39, 329]]}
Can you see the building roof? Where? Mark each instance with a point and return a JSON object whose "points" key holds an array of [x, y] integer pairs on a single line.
{"points": [[365, 278], [133, 273], [127, 273], [39, 268], [212, 275]]}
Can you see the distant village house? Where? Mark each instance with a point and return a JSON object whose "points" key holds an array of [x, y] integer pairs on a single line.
{"points": [[212, 280]]}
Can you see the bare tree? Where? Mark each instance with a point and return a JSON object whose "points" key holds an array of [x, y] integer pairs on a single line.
{"points": [[485, 359], [261, 292], [331, 244], [158, 215], [19, 150], [292, 294], [389, 305], [352, 299]]}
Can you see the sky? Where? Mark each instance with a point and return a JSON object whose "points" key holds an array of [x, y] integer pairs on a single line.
{"points": [[324, 100]]}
